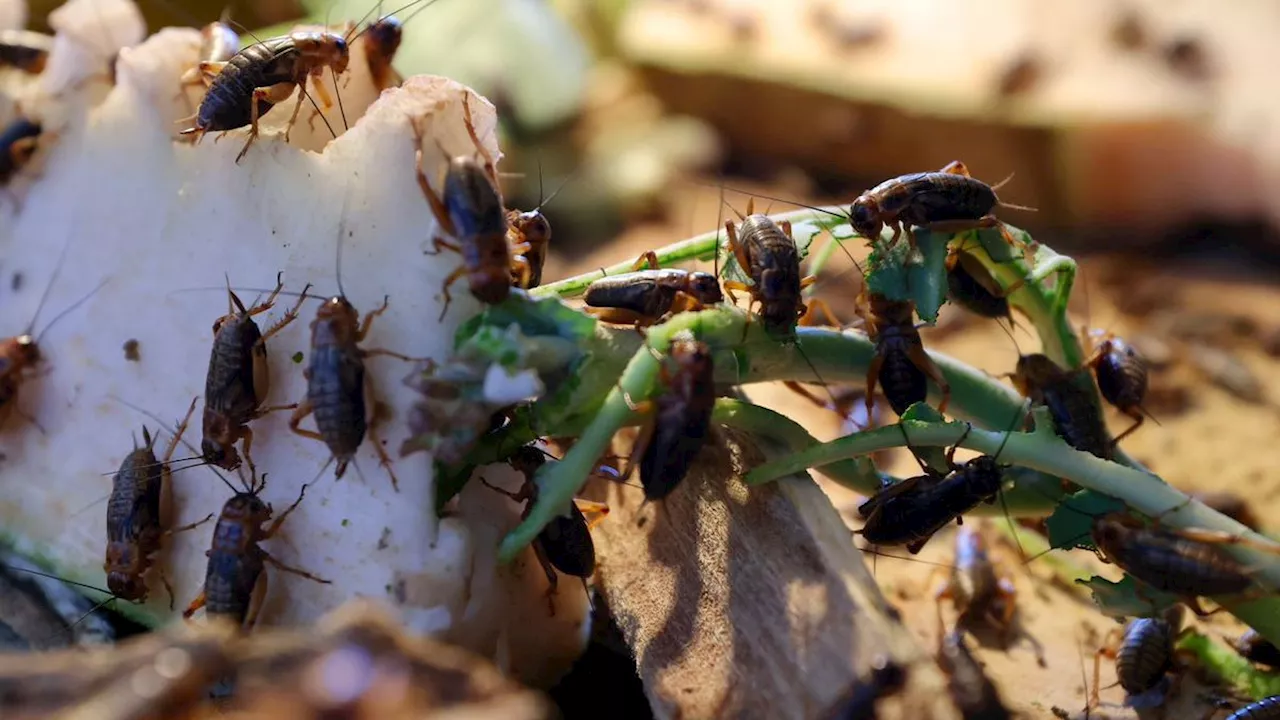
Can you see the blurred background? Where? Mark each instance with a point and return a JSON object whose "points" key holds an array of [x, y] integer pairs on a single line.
{"points": [[1130, 125], [1144, 133]]}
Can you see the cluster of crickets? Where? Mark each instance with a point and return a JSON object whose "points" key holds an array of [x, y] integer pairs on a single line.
{"points": [[502, 248], [677, 415]]}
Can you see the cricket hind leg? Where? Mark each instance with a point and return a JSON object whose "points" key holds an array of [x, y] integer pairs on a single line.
{"points": [[553, 577], [641, 444], [256, 597], [925, 364], [873, 379], [817, 312], [804, 392], [434, 200], [294, 571], [178, 431], [384, 460], [1108, 650], [271, 95], [521, 271], [195, 605], [1137, 417], [956, 167], [468, 122], [739, 251], [288, 317], [300, 413], [649, 258], [168, 588], [447, 296]]}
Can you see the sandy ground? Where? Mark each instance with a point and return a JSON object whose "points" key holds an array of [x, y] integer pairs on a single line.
{"points": [[1215, 443]]}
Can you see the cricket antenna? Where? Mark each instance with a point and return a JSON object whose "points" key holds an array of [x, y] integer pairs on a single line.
{"points": [[256, 40], [874, 551], [778, 199], [1004, 204], [302, 88], [173, 431], [540, 195], [342, 231], [543, 203], [1003, 182], [60, 579], [336, 90], [44, 297], [814, 208], [110, 597], [724, 204], [1023, 409], [69, 310], [814, 369], [341, 110], [923, 466], [352, 38], [415, 13], [719, 226]]}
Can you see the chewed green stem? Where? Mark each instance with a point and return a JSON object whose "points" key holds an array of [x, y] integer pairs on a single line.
{"points": [[559, 482], [859, 475], [745, 357], [701, 247], [1043, 451]]}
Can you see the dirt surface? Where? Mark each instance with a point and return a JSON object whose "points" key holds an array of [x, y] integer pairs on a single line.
{"points": [[1216, 442]]}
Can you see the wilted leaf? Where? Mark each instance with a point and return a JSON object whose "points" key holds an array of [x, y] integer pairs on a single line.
{"points": [[1127, 598]]}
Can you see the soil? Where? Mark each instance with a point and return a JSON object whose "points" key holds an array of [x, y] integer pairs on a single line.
{"points": [[1205, 439]]}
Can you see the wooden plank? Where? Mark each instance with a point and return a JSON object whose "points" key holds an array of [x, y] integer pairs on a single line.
{"points": [[739, 603]]}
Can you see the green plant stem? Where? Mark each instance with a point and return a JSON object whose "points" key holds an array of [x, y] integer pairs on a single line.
{"points": [[1045, 308], [859, 475], [1043, 451], [559, 482], [1226, 665], [700, 247], [839, 357]]}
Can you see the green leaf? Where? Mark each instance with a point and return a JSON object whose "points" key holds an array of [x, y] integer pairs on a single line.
{"points": [[995, 244], [1070, 524], [1127, 598], [520, 334], [921, 277], [546, 316], [515, 351], [922, 413], [934, 457]]}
